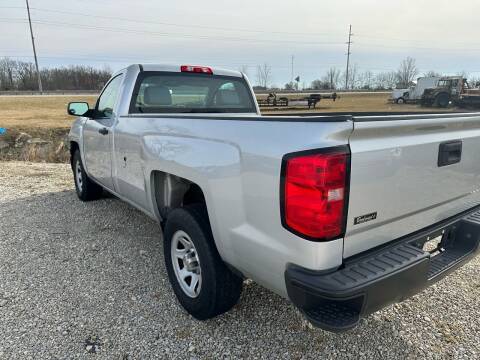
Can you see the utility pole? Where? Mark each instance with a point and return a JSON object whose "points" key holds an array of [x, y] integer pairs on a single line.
{"points": [[349, 43], [291, 79], [40, 88]]}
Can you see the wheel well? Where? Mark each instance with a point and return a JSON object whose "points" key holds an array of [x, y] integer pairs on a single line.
{"points": [[442, 93], [194, 195], [171, 191]]}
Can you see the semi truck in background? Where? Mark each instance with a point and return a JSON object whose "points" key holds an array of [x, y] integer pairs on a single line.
{"points": [[414, 93], [453, 90]]}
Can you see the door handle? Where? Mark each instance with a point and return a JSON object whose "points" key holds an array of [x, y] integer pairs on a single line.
{"points": [[103, 131], [450, 153]]}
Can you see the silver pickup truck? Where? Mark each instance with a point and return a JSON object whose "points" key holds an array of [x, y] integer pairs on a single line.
{"points": [[341, 214]]}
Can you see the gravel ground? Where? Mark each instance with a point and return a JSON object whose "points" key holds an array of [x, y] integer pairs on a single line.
{"points": [[88, 281]]}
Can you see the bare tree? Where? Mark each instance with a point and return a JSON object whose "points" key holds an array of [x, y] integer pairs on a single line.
{"points": [[352, 77], [20, 75], [320, 84], [432, 73], [332, 77], [386, 80], [407, 72], [27, 75], [474, 82], [367, 80], [8, 73], [264, 75]]}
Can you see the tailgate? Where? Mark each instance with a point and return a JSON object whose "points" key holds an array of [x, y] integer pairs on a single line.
{"points": [[399, 183]]}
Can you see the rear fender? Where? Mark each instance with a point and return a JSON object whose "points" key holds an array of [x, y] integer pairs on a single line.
{"points": [[213, 166]]}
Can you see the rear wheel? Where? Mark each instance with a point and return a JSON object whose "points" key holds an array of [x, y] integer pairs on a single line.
{"points": [[202, 282], [85, 188], [442, 100], [401, 101]]}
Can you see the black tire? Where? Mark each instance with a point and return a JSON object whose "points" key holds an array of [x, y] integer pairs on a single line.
{"points": [[442, 100], [220, 288], [86, 189], [400, 101]]}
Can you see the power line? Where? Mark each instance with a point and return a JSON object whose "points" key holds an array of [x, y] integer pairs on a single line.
{"points": [[415, 47], [250, 30], [169, 34], [349, 43], [206, 37], [40, 88], [224, 28], [389, 39], [169, 23]]}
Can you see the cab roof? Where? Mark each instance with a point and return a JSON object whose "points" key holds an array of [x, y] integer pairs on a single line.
{"points": [[177, 68]]}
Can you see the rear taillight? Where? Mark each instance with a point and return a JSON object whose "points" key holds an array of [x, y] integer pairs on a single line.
{"points": [[314, 192], [196, 69]]}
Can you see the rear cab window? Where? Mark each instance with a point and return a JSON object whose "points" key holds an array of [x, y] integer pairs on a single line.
{"points": [[169, 92]]}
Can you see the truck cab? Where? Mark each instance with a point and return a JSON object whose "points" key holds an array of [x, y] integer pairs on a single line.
{"points": [[447, 90]]}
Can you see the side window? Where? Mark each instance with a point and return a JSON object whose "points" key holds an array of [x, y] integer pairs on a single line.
{"points": [[106, 102]]}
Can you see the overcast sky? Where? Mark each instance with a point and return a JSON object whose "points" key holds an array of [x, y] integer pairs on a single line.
{"points": [[441, 35]]}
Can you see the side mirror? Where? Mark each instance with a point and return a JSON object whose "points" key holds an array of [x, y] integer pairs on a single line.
{"points": [[78, 108]]}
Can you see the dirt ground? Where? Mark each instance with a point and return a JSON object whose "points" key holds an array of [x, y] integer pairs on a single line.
{"points": [[87, 281]]}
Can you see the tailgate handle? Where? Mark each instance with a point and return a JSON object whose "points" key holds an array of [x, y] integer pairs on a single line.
{"points": [[450, 153]]}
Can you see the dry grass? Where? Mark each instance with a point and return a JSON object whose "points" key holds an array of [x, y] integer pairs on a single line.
{"points": [[351, 102], [53, 150], [50, 111], [38, 111]]}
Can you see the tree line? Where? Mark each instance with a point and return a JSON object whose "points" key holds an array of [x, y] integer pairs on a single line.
{"points": [[334, 78], [21, 75]]}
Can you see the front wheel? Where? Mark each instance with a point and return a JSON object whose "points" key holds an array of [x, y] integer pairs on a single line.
{"points": [[202, 282], [401, 101], [85, 188]]}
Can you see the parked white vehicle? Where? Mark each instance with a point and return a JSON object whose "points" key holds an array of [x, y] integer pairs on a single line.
{"points": [[341, 214], [399, 95], [414, 93]]}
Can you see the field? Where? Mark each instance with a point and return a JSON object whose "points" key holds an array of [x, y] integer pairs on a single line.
{"points": [[352, 102], [42, 123], [26, 112], [50, 111]]}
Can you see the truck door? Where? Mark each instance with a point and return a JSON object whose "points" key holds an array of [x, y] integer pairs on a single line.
{"points": [[97, 135]]}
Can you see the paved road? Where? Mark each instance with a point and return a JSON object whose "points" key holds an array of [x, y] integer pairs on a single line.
{"points": [[88, 281]]}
